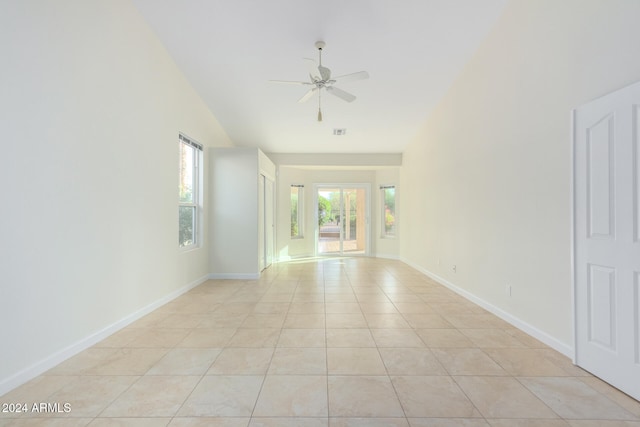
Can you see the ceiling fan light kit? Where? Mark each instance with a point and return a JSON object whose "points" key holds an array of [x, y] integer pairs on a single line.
{"points": [[320, 78]]}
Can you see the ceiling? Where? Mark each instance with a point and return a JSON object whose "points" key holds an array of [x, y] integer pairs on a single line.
{"points": [[230, 49]]}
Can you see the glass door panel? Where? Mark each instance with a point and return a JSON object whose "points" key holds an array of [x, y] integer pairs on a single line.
{"points": [[329, 215], [342, 221]]}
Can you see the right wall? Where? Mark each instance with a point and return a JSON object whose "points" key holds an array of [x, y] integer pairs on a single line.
{"points": [[486, 183]]}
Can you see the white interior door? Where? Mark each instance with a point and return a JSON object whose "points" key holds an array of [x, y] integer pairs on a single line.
{"points": [[607, 238]]}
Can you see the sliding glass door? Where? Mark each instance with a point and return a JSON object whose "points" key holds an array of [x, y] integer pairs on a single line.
{"points": [[343, 225]]}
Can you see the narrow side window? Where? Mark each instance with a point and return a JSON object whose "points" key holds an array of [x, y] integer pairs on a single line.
{"points": [[189, 193], [388, 218], [297, 194]]}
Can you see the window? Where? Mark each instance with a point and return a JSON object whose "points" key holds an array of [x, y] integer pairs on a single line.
{"points": [[189, 193], [388, 197], [296, 211]]}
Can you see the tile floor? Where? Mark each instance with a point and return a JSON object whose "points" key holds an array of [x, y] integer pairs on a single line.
{"points": [[347, 342]]}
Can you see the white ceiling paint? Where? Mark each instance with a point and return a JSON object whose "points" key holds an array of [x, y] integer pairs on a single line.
{"points": [[230, 49]]}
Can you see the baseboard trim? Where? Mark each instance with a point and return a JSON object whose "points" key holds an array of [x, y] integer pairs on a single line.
{"points": [[507, 317], [235, 276], [21, 377]]}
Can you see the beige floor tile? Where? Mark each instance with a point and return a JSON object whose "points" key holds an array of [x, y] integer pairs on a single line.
{"points": [[447, 422], [271, 308], [602, 423], [377, 307], [444, 338], [242, 361], [342, 307], [331, 369], [305, 321], [288, 422], [222, 320], [424, 321], [476, 321], [413, 308], [45, 422], [209, 422], [564, 363], [277, 297], [411, 361], [302, 338], [625, 401], [223, 396], [298, 361], [89, 395], [467, 361], [153, 396], [306, 307], [525, 362], [396, 338], [355, 361], [84, 362], [340, 297], [182, 320], [529, 423], [346, 320], [491, 338], [503, 397], [404, 298], [37, 390], [391, 321], [255, 337], [368, 422], [130, 422], [525, 338], [185, 361], [209, 338], [293, 396], [349, 337], [129, 361], [264, 320], [429, 396], [572, 399], [121, 338], [363, 396], [157, 337]]}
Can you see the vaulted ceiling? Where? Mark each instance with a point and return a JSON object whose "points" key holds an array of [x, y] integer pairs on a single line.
{"points": [[230, 49]]}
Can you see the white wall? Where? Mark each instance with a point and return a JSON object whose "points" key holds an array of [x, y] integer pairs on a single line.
{"points": [[234, 210], [286, 247], [90, 112], [486, 184]]}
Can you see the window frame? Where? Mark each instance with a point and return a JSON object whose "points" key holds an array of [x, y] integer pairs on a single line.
{"points": [[384, 234], [196, 198], [300, 211]]}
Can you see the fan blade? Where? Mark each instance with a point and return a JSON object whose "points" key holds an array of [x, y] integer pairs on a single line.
{"points": [[307, 95], [288, 82], [361, 75], [314, 71], [340, 93], [325, 72]]}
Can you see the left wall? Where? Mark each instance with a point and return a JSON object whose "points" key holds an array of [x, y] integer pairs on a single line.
{"points": [[90, 110]]}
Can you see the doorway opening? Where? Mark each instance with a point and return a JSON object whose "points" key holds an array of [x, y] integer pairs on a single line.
{"points": [[342, 219]]}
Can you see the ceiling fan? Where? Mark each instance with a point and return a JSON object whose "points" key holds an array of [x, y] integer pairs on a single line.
{"points": [[320, 78]]}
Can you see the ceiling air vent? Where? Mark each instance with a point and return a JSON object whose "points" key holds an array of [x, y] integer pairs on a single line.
{"points": [[339, 132]]}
